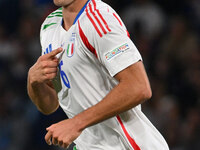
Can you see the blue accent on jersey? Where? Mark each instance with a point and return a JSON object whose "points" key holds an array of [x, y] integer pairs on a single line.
{"points": [[80, 12], [48, 49], [63, 75]]}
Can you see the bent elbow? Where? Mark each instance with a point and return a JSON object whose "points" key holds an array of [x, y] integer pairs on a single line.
{"points": [[146, 94], [44, 112], [47, 111]]}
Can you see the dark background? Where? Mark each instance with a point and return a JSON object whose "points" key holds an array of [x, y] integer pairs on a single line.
{"points": [[166, 32]]}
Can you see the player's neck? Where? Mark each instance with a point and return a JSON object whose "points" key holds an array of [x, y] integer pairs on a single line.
{"points": [[70, 12]]}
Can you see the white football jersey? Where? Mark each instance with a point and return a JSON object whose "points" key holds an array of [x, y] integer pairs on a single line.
{"points": [[97, 47]]}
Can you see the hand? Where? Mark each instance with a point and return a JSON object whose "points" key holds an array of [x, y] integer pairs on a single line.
{"points": [[62, 133], [45, 69]]}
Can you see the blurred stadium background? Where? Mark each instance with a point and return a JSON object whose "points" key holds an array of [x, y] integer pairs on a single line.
{"points": [[166, 33]]}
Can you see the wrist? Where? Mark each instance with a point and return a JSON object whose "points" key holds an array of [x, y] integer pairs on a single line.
{"points": [[79, 123], [31, 79]]}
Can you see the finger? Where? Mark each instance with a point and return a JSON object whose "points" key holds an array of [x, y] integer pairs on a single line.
{"points": [[64, 145], [48, 128], [48, 138], [54, 53], [53, 63], [51, 126], [50, 70], [49, 76], [60, 143], [55, 59], [49, 64], [55, 141]]}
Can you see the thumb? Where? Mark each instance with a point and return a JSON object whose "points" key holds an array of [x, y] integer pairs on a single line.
{"points": [[48, 128]]}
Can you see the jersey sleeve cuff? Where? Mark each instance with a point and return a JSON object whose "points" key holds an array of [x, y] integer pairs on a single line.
{"points": [[117, 68]]}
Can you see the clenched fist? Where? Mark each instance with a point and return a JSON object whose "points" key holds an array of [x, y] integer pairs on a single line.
{"points": [[63, 133]]}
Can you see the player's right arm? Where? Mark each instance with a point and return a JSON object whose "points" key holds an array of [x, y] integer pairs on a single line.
{"points": [[39, 84]]}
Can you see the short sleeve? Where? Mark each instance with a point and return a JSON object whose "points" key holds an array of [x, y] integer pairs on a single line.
{"points": [[115, 49]]}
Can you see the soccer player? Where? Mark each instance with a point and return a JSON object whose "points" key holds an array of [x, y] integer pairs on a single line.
{"points": [[91, 68]]}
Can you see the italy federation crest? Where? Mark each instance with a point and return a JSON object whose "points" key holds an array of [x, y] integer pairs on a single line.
{"points": [[70, 46]]}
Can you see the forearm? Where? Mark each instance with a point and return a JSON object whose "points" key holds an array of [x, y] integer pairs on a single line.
{"points": [[119, 100], [39, 83], [43, 96]]}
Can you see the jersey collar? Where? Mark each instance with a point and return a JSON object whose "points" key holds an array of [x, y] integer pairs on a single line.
{"points": [[80, 12]]}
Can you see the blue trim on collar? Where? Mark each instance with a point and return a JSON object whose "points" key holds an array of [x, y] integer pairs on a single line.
{"points": [[80, 12]]}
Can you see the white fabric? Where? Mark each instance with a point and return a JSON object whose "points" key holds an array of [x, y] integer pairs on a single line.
{"points": [[91, 79]]}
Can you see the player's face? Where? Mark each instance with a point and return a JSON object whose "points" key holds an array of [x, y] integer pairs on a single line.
{"points": [[62, 3]]}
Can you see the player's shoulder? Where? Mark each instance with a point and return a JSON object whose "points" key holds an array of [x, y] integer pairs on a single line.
{"points": [[52, 20], [100, 19], [97, 11]]}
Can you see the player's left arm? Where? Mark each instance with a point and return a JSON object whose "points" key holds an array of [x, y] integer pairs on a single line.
{"points": [[133, 89]]}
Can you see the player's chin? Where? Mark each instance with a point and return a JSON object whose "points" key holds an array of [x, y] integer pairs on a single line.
{"points": [[58, 3], [62, 3]]}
